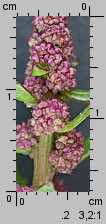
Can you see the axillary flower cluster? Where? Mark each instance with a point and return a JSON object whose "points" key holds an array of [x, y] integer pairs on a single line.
{"points": [[51, 49]]}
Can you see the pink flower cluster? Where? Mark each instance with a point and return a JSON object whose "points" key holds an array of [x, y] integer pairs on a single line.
{"points": [[36, 85], [62, 79], [24, 135], [23, 189], [49, 117], [51, 47], [69, 148]]}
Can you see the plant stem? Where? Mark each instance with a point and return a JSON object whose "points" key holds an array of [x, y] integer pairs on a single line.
{"points": [[41, 164]]}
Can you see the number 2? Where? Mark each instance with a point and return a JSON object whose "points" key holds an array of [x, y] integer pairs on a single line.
{"points": [[67, 214]]}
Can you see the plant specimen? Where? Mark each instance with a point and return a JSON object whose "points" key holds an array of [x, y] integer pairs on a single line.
{"points": [[50, 137]]}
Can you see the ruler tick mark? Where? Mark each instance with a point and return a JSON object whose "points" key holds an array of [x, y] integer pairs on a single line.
{"points": [[93, 170], [98, 118], [16, 198], [67, 196], [10, 89], [94, 67], [12, 37]]}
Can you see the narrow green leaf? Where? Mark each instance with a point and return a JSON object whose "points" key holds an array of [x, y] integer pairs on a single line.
{"points": [[23, 95], [81, 96], [47, 188], [39, 71], [22, 151], [77, 120]]}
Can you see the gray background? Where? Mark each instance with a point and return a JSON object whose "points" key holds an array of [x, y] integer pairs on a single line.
{"points": [[79, 179]]}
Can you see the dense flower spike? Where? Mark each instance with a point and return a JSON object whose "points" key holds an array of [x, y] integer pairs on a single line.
{"points": [[23, 189], [36, 86], [49, 116], [68, 152], [51, 47], [24, 135]]}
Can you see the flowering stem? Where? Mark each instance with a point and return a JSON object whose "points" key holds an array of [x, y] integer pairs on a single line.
{"points": [[41, 164]]}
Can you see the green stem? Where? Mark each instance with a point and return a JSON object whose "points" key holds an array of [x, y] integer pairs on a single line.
{"points": [[41, 164]]}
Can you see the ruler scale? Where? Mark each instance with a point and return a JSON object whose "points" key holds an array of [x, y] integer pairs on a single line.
{"points": [[57, 207]]}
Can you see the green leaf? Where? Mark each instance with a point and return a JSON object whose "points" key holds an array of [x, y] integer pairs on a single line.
{"points": [[77, 120], [80, 96], [39, 71], [23, 95], [19, 180], [47, 188], [22, 151], [87, 147]]}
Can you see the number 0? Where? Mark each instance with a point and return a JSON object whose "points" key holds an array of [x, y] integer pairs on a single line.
{"points": [[8, 198], [83, 6], [21, 201]]}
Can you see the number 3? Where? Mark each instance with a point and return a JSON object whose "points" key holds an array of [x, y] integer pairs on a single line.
{"points": [[81, 215]]}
